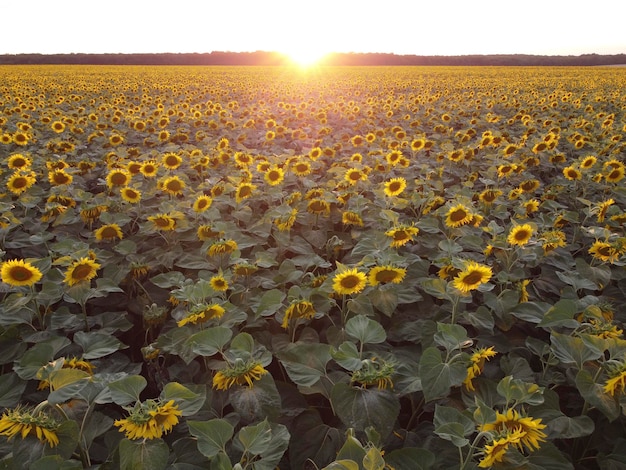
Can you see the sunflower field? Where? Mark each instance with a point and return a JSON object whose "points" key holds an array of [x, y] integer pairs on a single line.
{"points": [[339, 268]]}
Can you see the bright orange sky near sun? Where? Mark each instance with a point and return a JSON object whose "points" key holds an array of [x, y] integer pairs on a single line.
{"points": [[308, 29]]}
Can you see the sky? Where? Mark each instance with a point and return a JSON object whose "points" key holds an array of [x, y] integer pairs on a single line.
{"points": [[434, 27]]}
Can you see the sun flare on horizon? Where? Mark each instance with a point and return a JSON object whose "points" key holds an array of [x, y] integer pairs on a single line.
{"points": [[305, 55]]}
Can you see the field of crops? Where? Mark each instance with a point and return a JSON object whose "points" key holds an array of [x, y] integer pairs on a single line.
{"points": [[339, 268]]}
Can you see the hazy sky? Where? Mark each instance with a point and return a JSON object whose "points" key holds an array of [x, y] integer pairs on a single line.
{"points": [[434, 27]]}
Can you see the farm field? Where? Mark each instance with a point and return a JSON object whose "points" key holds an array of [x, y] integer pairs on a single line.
{"points": [[339, 268]]}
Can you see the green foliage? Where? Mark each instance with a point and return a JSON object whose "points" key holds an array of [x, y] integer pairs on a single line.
{"points": [[318, 318]]}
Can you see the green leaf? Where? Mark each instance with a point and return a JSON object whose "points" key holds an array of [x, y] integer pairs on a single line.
{"points": [[270, 303], [168, 280], [316, 442], [243, 342], [518, 391], [96, 344], [147, 454], [352, 449], [188, 401], [127, 390], [212, 435], [55, 462], [413, 458], [452, 425], [365, 330], [451, 336], [66, 384], [360, 408], [436, 287], [373, 460], [560, 314], [572, 349], [255, 439], [342, 465], [210, 341], [257, 402], [385, 299], [531, 312], [11, 389], [279, 442], [437, 376], [594, 394], [347, 356], [305, 363], [570, 428]]}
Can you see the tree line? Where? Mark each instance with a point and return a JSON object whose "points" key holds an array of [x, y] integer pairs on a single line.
{"points": [[342, 59]]}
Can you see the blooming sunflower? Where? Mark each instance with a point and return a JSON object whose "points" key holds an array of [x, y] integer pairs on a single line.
{"points": [[511, 420], [222, 247], [457, 216], [206, 232], [602, 209], [351, 218], [588, 162], [401, 235], [394, 187], [118, 177], [240, 373], [495, 452], [163, 222], [572, 173], [219, 283], [301, 168], [473, 275], [202, 203], [18, 161], [488, 196], [318, 206], [354, 175], [18, 272], [171, 160], [19, 182], [83, 269], [149, 420], [349, 281], [109, 232], [173, 185], [27, 422], [605, 251], [477, 364], [149, 169], [59, 177], [520, 235], [244, 191], [130, 195], [386, 274], [274, 175]]}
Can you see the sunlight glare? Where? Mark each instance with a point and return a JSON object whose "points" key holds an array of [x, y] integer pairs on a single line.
{"points": [[305, 55]]}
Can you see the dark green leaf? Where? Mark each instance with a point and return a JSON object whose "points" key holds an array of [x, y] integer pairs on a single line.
{"points": [[147, 454], [212, 435], [305, 363], [96, 344], [365, 330], [437, 376], [210, 341], [127, 390], [11, 388]]}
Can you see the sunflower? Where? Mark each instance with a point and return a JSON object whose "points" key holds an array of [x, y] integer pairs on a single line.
{"points": [[488, 196], [354, 175], [511, 420], [20, 138], [240, 373], [83, 269], [25, 422], [270, 135], [394, 187], [149, 169], [18, 161], [222, 247], [118, 177], [495, 452], [571, 173], [520, 235], [417, 144], [401, 235], [349, 281], [374, 372], [602, 208], [58, 127], [315, 153], [130, 195], [59, 177], [19, 182], [477, 364], [472, 276], [386, 274], [509, 150], [351, 218], [605, 251], [615, 175], [529, 186], [219, 283], [149, 420], [506, 170], [616, 383], [18, 272], [588, 162], [318, 206], [244, 191], [206, 232], [296, 310], [171, 160], [202, 314], [286, 221], [164, 222], [173, 186], [274, 175], [109, 232], [457, 216], [301, 168], [202, 203], [393, 157]]}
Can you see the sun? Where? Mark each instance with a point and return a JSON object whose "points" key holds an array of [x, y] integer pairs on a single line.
{"points": [[305, 55]]}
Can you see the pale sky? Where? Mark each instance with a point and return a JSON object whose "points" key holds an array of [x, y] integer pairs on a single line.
{"points": [[434, 27]]}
